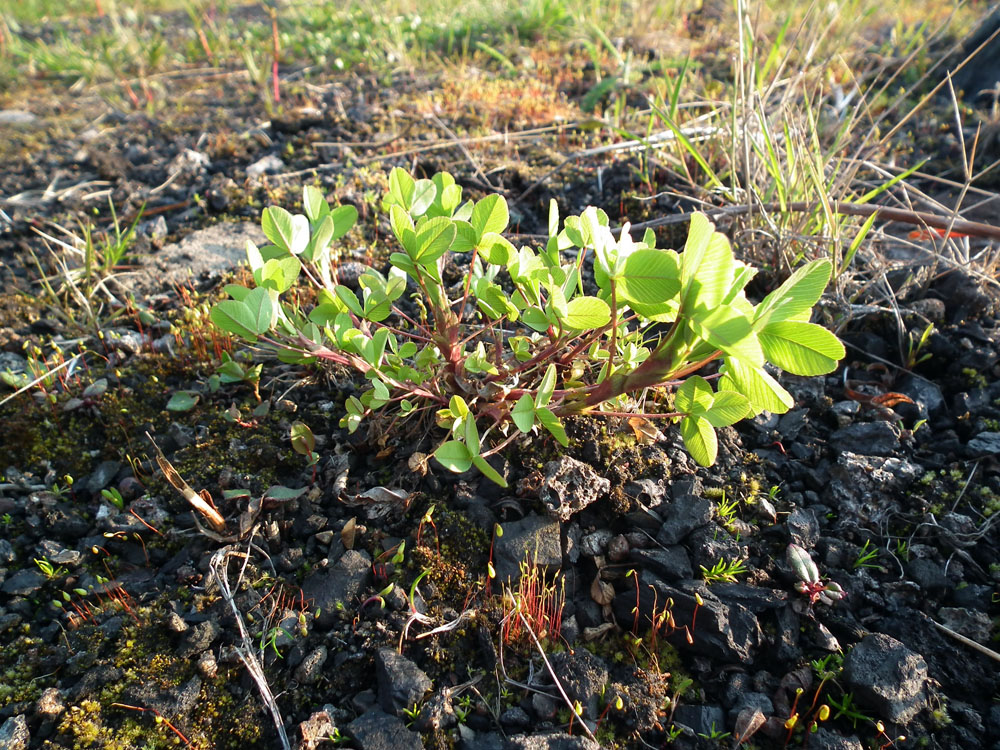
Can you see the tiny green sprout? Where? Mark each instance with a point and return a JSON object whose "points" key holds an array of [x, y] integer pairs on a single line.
{"points": [[113, 496], [866, 555], [398, 558], [723, 571]]}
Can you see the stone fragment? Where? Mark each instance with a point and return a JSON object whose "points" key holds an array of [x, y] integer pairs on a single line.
{"points": [[269, 164], [401, 683], [338, 586], [533, 539], [704, 720], [886, 675], [682, 516], [583, 676], [570, 486], [14, 734], [866, 438], [377, 730], [551, 741], [824, 739]]}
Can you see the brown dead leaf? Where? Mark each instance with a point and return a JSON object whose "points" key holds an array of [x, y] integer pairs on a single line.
{"points": [[601, 591], [347, 533], [646, 433], [417, 463]]}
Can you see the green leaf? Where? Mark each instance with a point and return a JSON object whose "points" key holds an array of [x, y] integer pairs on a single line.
{"points": [[553, 424], [278, 492], [523, 413], [496, 249], [729, 407], [278, 273], [726, 329], [433, 239], [694, 396], [801, 348], [261, 309], [302, 438], [763, 391], [586, 313], [488, 471], [714, 275], [182, 401], [320, 240], [237, 292], [535, 319], [290, 233], [401, 187], [254, 257], [490, 215], [700, 439], [797, 295], [349, 298], [454, 456], [234, 317], [314, 204], [423, 196], [546, 387], [471, 435], [343, 219], [699, 233], [650, 277]]}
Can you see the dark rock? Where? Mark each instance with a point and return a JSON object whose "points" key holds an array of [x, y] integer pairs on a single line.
{"points": [[972, 623], [925, 394], [401, 683], [533, 538], [544, 706], [377, 730], [515, 717], [704, 720], [803, 527], [570, 486], [726, 632], [928, 574], [338, 586], [824, 739], [312, 666], [437, 713], [583, 676], [845, 412], [985, 443], [751, 700], [102, 476], [866, 439], [199, 638], [596, 543], [25, 582], [973, 596], [649, 492], [58, 554], [551, 741], [14, 734], [754, 598], [479, 740], [681, 517], [888, 676], [670, 563]]}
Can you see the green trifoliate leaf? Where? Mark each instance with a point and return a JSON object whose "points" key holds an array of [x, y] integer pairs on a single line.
{"points": [[801, 348], [700, 439], [320, 241], [523, 413], [349, 298], [496, 249], [237, 292], [762, 390], [650, 277], [433, 240], [546, 387], [278, 273], [466, 237], [586, 313], [401, 187], [699, 233], [262, 309], [488, 471], [423, 196], [694, 396], [714, 276], [254, 258], [553, 424], [314, 204], [454, 456], [400, 221], [727, 329], [471, 435], [729, 407], [290, 233], [796, 296], [490, 215], [343, 218]]}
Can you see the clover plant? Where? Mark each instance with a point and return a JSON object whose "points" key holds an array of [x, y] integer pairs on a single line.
{"points": [[527, 336]]}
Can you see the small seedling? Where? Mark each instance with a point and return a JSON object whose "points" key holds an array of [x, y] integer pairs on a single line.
{"points": [[866, 555], [113, 496], [723, 571], [809, 582]]}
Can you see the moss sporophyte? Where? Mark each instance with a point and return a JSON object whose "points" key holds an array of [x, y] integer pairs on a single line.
{"points": [[521, 341]]}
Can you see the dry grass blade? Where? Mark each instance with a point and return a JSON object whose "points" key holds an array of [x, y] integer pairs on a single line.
{"points": [[177, 482], [246, 650]]}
